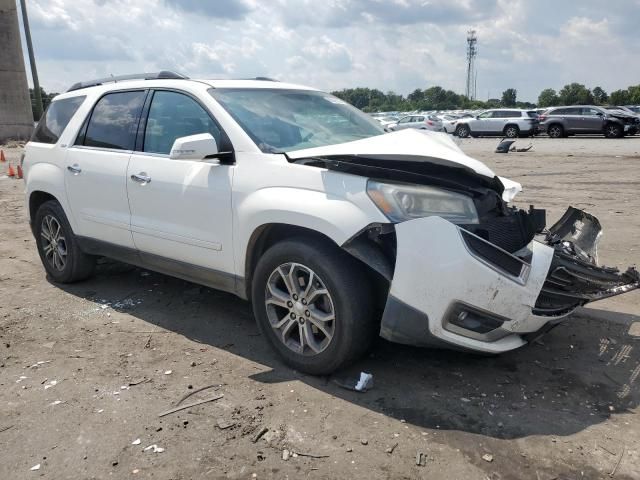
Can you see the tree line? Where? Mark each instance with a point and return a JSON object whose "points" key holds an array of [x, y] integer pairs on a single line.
{"points": [[437, 98]]}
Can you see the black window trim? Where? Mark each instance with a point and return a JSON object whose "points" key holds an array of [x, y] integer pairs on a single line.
{"points": [[82, 133], [227, 156]]}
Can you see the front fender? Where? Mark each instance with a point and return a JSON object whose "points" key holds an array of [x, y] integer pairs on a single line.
{"points": [[48, 178], [336, 217]]}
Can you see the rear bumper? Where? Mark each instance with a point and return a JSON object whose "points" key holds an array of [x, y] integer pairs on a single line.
{"points": [[452, 289]]}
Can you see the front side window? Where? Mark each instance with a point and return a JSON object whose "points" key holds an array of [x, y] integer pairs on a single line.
{"points": [[173, 115], [405, 120], [485, 115], [55, 119], [283, 120], [114, 121]]}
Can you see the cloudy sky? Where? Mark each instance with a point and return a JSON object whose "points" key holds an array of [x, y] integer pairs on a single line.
{"points": [[397, 45]]}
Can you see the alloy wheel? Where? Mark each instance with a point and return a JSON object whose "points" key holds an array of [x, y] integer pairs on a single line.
{"points": [[555, 132], [300, 309], [54, 244], [511, 132]]}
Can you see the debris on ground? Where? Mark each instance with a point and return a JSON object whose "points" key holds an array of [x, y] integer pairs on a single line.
{"points": [[363, 383], [392, 448], [136, 442], [155, 448], [189, 405], [35, 467], [223, 424], [420, 459], [259, 435], [285, 454], [487, 457]]}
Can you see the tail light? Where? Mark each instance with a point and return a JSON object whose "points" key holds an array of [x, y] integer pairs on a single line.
{"points": [[429, 122], [542, 118]]}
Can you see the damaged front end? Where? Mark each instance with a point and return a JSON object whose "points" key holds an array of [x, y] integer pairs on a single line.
{"points": [[574, 277], [487, 281]]}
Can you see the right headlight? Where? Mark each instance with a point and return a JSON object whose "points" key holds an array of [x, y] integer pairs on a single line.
{"points": [[400, 202]]}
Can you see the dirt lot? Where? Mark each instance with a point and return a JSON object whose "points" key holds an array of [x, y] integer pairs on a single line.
{"points": [[85, 369]]}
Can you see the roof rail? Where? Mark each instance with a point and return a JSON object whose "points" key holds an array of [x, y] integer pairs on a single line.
{"points": [[163, 74], [265, 79]]}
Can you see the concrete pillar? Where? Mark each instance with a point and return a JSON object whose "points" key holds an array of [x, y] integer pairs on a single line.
{"points": [[16, 118]]}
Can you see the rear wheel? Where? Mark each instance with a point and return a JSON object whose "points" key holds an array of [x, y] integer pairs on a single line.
{"points": [[613, 130], [463, 131], [314, 304], [511, 131], [555, 131], [58, 247]]}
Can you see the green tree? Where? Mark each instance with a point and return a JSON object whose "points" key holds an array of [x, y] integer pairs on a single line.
{"points": [[620, 97], [46, 100], [600, 97], [548, 98], [509, 97], [575, 94]]}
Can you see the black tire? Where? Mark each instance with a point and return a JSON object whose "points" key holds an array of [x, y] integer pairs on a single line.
{"points": [[555, 131], [511, 131], [463, 131], [613, 130], [350, 294], [77, 265]]}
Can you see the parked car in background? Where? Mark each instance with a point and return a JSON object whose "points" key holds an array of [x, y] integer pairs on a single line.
{"points": [[449, 122], [510, 123], [560, 122], [633, 108], [386, 121], [421, 122]]}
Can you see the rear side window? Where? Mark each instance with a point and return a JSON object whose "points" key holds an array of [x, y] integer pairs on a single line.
{"points": [[114, 121], [55, 119], [532, 114], [173, 115]]}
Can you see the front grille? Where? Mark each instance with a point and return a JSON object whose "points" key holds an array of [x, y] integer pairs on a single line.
{"points": [[510, 232], [496, 257]]}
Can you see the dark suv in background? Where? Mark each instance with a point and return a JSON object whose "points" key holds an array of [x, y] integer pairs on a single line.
{"points": [[588, 119]]}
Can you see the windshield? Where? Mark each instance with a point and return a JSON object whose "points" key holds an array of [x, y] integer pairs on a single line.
{"points": [[280, 120]]}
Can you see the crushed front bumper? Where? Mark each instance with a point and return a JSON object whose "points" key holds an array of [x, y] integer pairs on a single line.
{"points": [[453, 289]]}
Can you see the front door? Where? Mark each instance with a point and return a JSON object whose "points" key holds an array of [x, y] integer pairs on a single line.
{"points": [[96, 168], [180, 209], [592, 120]]}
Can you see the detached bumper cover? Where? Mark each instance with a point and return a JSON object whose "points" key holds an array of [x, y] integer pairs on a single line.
{"points": [[452, 288]]}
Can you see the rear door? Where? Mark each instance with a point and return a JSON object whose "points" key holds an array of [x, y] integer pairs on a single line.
{"points": [[573, 119], [96, 168], [181, 217]]}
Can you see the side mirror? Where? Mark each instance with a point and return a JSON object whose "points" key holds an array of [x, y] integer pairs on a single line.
{"points": [[600, 114], [194, 147]]}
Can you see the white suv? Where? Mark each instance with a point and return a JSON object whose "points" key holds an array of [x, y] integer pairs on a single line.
{"points": [[510, 123], [300, 203]]}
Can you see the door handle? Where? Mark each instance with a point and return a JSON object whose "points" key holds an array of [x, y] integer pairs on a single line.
{"points": [[141, 177], [75, 169]]}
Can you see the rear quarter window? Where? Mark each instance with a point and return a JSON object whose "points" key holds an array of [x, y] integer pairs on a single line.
{"points": [[56, 119]]}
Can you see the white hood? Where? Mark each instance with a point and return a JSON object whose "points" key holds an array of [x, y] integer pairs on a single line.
{"points": [[403, 142], [435, 146]]}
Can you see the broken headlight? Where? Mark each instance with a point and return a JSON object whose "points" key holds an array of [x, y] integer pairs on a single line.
{"points": [[400, 202]]}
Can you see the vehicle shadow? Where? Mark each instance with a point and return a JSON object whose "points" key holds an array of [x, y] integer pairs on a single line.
{"points": [[577, 376]]}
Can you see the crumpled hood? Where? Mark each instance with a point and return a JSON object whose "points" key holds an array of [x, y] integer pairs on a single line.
{"points": [[430, 147], [435, 147]]}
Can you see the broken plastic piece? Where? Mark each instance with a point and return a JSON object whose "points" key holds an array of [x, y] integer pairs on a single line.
{"points": [[362, 384]]}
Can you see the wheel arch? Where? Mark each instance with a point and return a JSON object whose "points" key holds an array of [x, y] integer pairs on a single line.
{"points": [[45, 181], [378, 264]]}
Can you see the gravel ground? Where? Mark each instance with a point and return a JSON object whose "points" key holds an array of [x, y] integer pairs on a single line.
{"points": [[85, 369]]}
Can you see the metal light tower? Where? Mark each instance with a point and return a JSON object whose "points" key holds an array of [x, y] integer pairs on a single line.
{"points": [[16, 119], [472, 52]]}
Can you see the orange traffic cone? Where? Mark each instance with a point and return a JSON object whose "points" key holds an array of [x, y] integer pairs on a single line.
{"points": [[11, 172], [19, 172], [2, 159]]}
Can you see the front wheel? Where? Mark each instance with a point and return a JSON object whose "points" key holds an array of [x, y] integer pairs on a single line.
{"points": [[314, 304], [463, 131], [58, 247], [613, 130]]}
